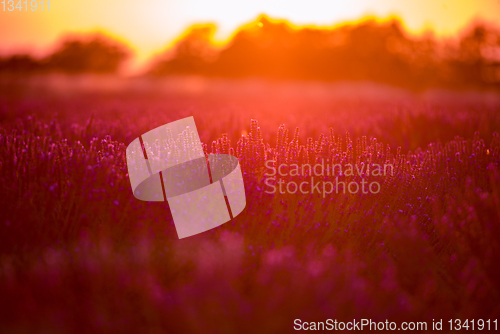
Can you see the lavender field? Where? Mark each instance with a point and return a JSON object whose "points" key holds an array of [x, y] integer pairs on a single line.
{"points": [[78, 253]]}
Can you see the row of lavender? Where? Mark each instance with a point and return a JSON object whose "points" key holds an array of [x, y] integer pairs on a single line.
{"points": [[78, 251]]}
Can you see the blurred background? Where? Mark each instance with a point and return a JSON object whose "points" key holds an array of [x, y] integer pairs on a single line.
{"points": [[411, 44]]}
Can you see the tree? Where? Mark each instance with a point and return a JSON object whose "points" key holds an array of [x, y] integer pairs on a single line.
{"points": [[191, 53], [94, 53], [20, 64]]}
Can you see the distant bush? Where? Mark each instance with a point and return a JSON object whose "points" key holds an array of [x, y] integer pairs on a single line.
{"points": [[94, 53], [192, 52], [20, 64]]}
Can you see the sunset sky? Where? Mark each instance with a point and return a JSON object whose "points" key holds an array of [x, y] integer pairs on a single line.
{"points": [[151, 25]]}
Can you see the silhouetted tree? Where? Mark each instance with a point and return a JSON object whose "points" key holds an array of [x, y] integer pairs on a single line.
{"points": [[191, 54], [94, 53], [20, 64]]}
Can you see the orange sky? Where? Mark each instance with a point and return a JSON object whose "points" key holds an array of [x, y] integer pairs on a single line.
{"points": [[150, 25]]}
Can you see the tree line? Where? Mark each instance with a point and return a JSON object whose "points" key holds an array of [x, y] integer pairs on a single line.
{"points": [[370, 50]]}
